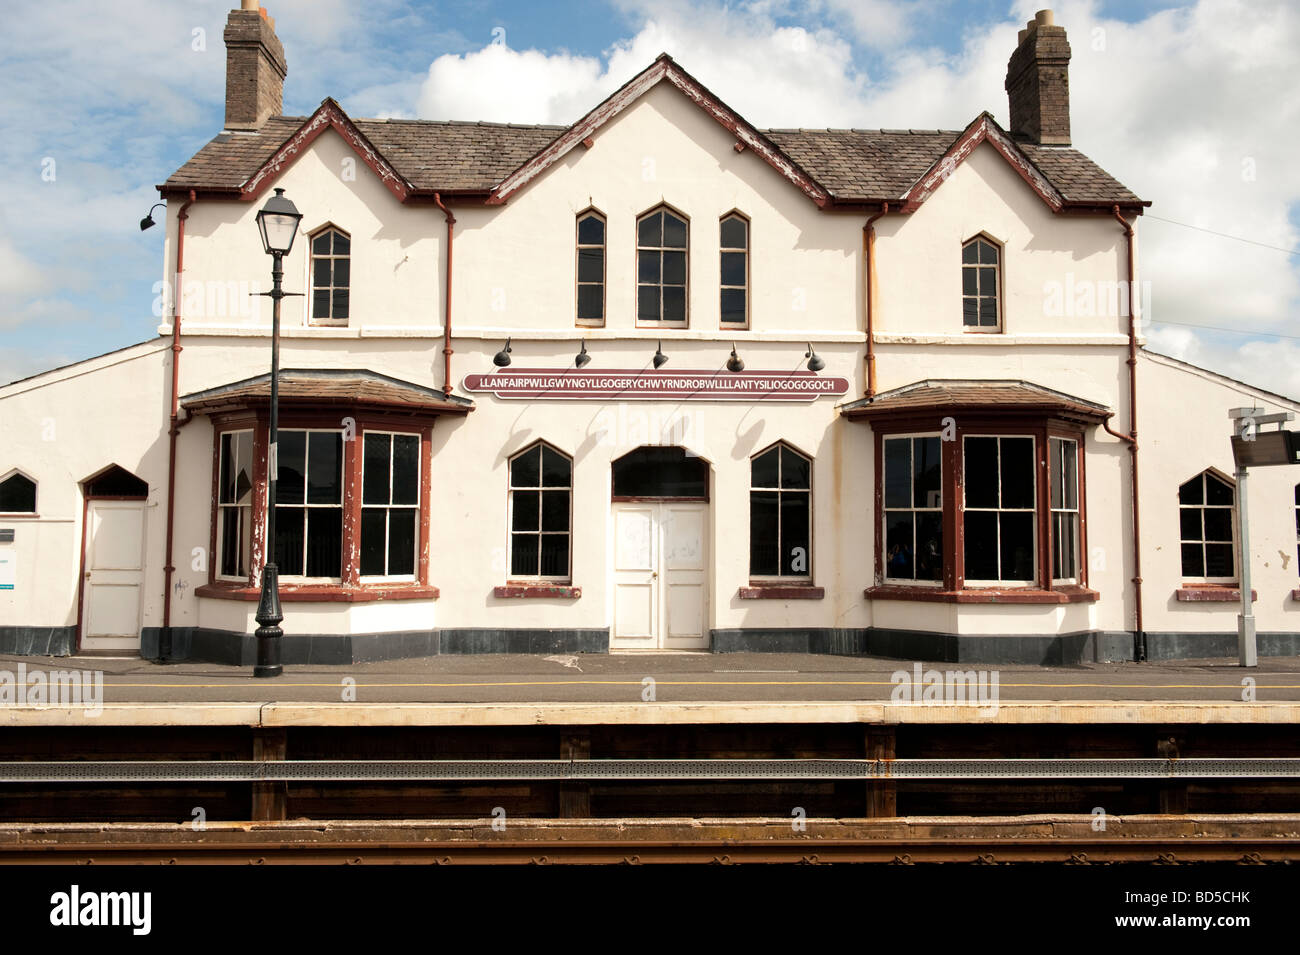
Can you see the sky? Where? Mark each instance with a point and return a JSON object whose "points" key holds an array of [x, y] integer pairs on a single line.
{"points": [[1192, 105]]}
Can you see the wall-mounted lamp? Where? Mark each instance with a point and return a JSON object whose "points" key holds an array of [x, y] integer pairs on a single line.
{"points": [[734, 363], [660, 358], [814, 363], [583, 357], [502, 358], [147, 222]]}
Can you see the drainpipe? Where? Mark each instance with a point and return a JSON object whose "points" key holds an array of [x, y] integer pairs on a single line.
{"points": [[1131, 439], [869, 250], [165, 637], [446, 322]]}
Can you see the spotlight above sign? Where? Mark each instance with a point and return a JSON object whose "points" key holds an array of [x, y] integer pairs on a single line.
{"points": [[646, 385]]}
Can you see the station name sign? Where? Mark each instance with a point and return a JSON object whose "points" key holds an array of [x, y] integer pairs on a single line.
{"points": [[634, 384]]}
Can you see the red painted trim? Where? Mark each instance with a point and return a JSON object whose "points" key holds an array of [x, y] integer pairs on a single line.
{"points": [[81, 571], [329, 115], [537, 590], [316, 593], [1009, 595], [169, 566], [1212, 593], [1295, 594], [983, 129], [426, 501], [662, 68], [781, 592], [352, 460], [261, 500]]}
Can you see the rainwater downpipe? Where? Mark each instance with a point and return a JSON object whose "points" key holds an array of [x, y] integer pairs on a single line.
{"points": [[869, 250], [446, 322]]}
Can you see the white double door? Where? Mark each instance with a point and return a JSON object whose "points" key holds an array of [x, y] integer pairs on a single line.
{"points": [[114, 575], [660, 576]]}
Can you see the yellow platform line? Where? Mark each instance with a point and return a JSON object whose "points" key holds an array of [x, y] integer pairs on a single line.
{"points": [[522, 683]]}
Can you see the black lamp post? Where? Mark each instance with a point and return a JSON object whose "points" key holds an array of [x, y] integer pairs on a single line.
{"points": [[278, 222]]}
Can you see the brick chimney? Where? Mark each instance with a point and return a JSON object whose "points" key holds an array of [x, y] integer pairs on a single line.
{"points": [[255, 68], [1038, 83]]}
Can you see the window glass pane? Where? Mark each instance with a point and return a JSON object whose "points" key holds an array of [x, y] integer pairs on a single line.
{"points": [[525, 470], [988, 282], [898, 472], [1189, 521], [1065, 563], [647, 306], [591, 230], [970, 311], [324, 541], [929, 546], [988, 253], [764, 556], [674, 232], [988, 313], [406, 469], [555, 555], [526, 512], [1056, 477], [1218, 560], [794, 534], [1017, 472], [733, 233], [591, 265], [674, 303], [401, 542], [674, 268], [733, 268], [1193, 560], [1218, 524], [1216, 492], [523, 554], [899, 559], [342, 244], [970, 282], [591, 301], [981, 468], [320, 269], [970, 254], [556, 468], [927, 477], [764, 469], [375, 469], [288, 538], [373, 524], [291, 475], [1190, 493], [324, 467], [1017, 546], [555, 510], [244, 476], [795, 470], [340, 303], [647, 230], [321, 244], [733, 305], [660, 472], [225, 482], [235, 539], [342, 271], [320, 303], [980, 539]]}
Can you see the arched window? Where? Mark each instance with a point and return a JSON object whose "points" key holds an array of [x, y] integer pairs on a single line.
{"points": [[981, 285], [780, 514], [733, 240], [540, 509], [331, 276], [591, 268], [1205, 519], [17, 494], [662, 238]]}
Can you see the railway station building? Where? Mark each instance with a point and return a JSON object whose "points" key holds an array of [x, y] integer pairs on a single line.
{"points": [[657, 380]]}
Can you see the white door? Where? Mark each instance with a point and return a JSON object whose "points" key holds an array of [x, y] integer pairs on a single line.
{"points": [[114, 575], [660, 585]]}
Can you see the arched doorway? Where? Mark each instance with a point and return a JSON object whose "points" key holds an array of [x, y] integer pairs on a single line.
{"points": [[661, 547], [112, 578]]}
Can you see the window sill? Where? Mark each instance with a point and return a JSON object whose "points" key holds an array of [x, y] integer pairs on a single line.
{"points": [[321, 594], [1212, 593], [781, 592], [18, 515], [551, 591], [1015, 595]]}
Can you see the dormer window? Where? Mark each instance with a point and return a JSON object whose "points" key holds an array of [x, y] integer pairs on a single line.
{"points": [[981, 284], [17, 494], [661, 245], [591, 268], [331, 277]]}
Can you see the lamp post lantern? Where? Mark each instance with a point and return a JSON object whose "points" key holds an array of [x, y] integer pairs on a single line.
{"points": [[278, 223]]}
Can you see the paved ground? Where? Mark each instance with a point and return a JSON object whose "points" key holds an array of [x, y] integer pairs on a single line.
{"points": [[678, 677]]}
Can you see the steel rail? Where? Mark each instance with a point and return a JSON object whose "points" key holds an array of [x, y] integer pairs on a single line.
{"points": [[112, 771]]}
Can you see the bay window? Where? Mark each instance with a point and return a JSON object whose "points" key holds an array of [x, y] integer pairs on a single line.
{"points": [[235, 505], [913, 509], [309, 504], [390, 504], [998, 519]]}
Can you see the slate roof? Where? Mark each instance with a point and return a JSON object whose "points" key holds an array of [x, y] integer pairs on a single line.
{"points": [[326, 386], [936, 395]]}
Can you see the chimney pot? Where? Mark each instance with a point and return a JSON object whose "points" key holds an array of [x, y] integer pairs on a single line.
{"points": [[255, 68], [1020, 37], [1038, 83]]}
